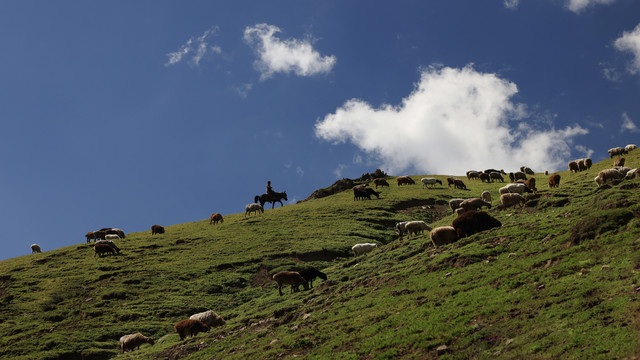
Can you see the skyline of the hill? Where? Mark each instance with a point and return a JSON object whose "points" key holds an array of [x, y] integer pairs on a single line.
{"points": [[133, 114]]}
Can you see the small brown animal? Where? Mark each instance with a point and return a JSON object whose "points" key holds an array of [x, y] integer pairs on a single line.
{"points": [[100, 249], [554, 181], [290, 278], [215, 218], [190, 327], [132, 341], [157, 229]]}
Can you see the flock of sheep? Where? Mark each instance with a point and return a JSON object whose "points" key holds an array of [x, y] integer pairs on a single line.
{"points": [[470, 220]]}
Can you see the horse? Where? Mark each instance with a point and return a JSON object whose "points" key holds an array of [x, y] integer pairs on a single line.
{"points": [[272, 198]]}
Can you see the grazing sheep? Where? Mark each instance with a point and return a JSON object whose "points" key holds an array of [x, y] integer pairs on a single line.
{"points": [[531, 184], [400, 227], [157, 229], [404, 180], [632, 174], [582, 165], [458, 184], [630, 147], [216, 218], [35, 249], [310, 273], [619, 161], [517, 188], [380, 182], [512, 199], [474, 204], [496, 176], [254, 207], [455, 203], [100, 249], [471, 222], [443, 235], [430, 182], [460, 210], [416, 227], [526, 170], [512, 177], [623, 169], [486, 196], [598, 180], [209, 317], [190, 327], [450, 181], [292, 278], [360, 249], [610, 175], [472, 174], [110, 243], [489, 171], [588, 162], [361, 193], [519, 176], [90, 235], [133, 341], [112, 237], [617, 151], [554, 181], [484, 177]]}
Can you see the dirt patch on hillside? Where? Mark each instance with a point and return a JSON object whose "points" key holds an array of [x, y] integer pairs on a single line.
{"points": [[187, 347]]}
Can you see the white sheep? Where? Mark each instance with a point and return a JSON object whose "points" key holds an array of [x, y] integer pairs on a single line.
{"points": [[455, 203], [35, 248], [630, 147], [512, 199], [443, 235], [254, 207], [632, 174], [430, 182], [416, 227], [516, 188], [360, 249], [610, 175], [400, 227], [209, 317], [486, 196], [132, 341], [112, 237]]}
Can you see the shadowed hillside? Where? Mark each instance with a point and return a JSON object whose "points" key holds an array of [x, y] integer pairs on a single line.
{"points": [[559, 279]]}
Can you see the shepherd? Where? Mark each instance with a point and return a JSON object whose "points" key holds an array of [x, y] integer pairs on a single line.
{"points": [[271, 196]]}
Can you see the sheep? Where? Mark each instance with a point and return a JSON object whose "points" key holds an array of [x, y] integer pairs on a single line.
{"points": [[430, 182], [619, 161], [460, 211], [512, 199], [554, 181], [363, 248], [531, 184], [526, 170], [110, 243], [190, 327], [112, 237], [514, 188], [472, 174], [254, 207], [519, 176], [90, 235], [416, 227], [486, 196], [632, 174], [101, 249], [588, 162], [450, 181], [292, 278], [216, 218], [474, 204], [455, 203], [404, 180], [484, 177], [610, 175], [617, 151], [630, 147], [623, 169], [380, 181], [310, 273], [133, 341], [471, 222], [458, 184], [35, 249], [443, 235], [361, 193], [598, 180], [400, 227], [496, 176], [209, 317], [582, 166], [157, 229]]}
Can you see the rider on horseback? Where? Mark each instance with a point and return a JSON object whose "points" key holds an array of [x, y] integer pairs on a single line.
{"points": [[269, 188]]}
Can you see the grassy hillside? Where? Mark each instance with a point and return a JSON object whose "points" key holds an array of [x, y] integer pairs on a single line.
{"points": [[559, 279]]}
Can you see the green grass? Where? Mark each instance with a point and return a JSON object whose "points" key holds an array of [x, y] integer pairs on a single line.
{"points": [[557, 280]]}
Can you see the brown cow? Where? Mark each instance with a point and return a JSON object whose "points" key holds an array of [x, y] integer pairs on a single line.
{"points": [[215, 218]]}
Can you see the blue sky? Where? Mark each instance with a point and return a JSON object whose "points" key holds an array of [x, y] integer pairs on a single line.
{"points": [[133, 113]]}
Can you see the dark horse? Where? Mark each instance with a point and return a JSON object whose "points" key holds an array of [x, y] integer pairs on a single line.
{"points": [[272, 198]]}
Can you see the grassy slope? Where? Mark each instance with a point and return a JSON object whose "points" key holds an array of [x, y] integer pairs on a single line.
{"points": [[557, 280]]}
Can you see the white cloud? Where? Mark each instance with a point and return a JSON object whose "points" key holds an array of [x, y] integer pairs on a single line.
{"points": [[579, 5], [584, 150], [339, 170], [511, 4], [630, 41], [628, 124], [195, 49], [285, 56], [299, 171], [243, 90], [453, 121]]}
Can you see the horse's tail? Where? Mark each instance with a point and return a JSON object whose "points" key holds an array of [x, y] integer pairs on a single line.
{"points": [[256, 199]]}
